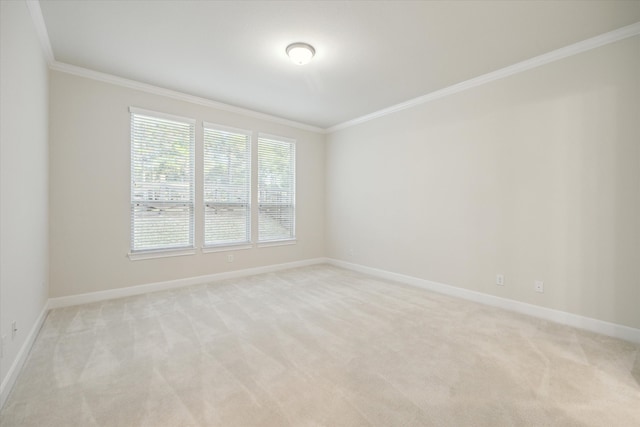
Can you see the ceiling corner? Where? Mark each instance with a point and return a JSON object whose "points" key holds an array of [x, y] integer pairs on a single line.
{"points": [[41, 29]]}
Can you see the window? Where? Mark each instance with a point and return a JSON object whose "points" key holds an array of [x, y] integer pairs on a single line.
{"points": [[162, 181], [276, 188], [227, 185]]}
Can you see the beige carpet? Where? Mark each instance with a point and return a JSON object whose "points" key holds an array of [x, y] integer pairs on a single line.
{"points": [[318, 346]]}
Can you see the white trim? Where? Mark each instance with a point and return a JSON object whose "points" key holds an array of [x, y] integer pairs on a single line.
{"points": [[549, 57], [590, 324], [60, 302], [554, 55], [21, 357], [224, 128], [41, 29], [161, 115], [173, 284], [163, 253], [283, 242], [562, 317], [145, 87], [227, 248], [278, 138]]}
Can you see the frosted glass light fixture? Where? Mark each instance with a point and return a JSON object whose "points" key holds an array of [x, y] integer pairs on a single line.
{"points": [[300, 53]]}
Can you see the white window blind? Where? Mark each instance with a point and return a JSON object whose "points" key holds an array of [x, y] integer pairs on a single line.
{"points": [[276, 188], [162, 181], [227, 185]]}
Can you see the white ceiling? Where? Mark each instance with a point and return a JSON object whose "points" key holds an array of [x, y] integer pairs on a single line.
{"points": [[370, 55]]}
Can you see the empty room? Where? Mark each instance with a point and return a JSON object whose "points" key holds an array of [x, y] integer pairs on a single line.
{"points": [[319, 213]]}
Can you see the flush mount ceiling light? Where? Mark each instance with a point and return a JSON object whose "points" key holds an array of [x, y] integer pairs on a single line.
{"points": [[300, 53]]}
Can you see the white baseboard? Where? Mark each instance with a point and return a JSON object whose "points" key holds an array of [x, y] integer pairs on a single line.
{"points": [[590, 324], [562, 317], [18, 363], [173, 284], [21, 357]]}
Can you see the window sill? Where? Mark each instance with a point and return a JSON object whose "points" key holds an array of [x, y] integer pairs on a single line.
{"points": [[277, 243], [226, 248], [136, 256]]}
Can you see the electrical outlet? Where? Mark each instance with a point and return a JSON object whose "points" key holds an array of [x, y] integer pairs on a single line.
{"points": [[500, 279], [14, 329], [230, 258], [2, 338], [539, 286], [351, 252]]}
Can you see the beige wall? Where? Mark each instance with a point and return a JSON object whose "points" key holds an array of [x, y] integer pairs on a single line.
{"points": [[536, 176], [23, 179], [90, 159]]}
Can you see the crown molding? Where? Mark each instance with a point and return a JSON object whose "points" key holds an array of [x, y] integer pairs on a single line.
{"points": [[537, 61], [43, 36], [41, 29], [156, 90]]}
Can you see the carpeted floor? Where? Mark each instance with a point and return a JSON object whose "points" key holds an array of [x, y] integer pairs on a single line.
{"points": [[318, 346]]}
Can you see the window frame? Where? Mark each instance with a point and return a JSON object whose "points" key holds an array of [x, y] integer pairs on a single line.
{"points": [[190, 248], [237, 245], [293, 238]]}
